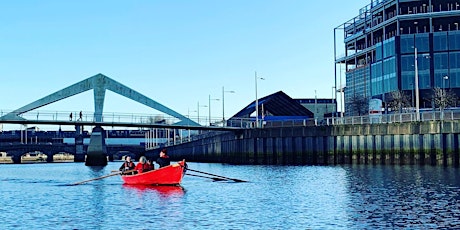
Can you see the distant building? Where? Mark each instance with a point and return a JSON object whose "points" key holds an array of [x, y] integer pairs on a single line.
{"points": [[321, 107], [278, 106], [388, 39]]}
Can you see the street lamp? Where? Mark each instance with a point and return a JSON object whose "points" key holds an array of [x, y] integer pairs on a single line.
{"points": [[209, 106], [417, 96], [316, 108], [223, 104], [198, 110], [412, 95], [443, 96], [444, 78], [188, 112], [257, 99]]}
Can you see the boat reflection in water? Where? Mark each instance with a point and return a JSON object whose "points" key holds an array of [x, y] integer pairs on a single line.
{"points": [[161, 190]]}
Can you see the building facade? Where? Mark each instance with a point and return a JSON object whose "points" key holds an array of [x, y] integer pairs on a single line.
{"points": [[393, 43]]}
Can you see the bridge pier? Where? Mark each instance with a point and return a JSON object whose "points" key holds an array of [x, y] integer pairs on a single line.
{"points": [[79, 147], [97, 149], [16, 158], [49, 158]]}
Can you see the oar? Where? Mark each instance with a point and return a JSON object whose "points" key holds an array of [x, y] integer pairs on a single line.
{"points": [[214, 178], [227, 178], [102, 177]]}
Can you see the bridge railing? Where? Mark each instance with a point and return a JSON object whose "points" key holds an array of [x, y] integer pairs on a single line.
{"points": [[91, 116]]}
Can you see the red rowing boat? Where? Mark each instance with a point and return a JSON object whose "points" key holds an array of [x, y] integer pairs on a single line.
{"points": [[169, 175]]}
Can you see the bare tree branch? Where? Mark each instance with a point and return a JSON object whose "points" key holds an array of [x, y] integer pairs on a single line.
{"points": [[359, 105], [444, 98], [398, 101]]}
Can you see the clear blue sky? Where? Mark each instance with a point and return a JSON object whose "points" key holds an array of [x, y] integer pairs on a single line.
{"points": [[175, 52]]}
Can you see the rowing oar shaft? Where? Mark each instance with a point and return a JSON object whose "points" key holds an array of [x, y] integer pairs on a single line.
{"points": [[102, 177], [214, 178], [227, 178]]}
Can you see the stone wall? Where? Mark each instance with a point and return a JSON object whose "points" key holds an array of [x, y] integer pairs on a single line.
{"points": [[433, 143]]}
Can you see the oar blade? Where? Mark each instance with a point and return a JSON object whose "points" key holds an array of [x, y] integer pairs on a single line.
{"points": [[238, 180], [218, 176]]}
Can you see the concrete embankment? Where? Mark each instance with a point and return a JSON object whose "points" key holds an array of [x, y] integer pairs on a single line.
{"points": [[421, 143]]}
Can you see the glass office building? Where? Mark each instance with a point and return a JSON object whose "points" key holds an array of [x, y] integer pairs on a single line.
{"points": [[385, 43]]}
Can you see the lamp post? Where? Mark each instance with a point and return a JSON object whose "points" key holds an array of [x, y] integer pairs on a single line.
{"points": [[417, 97], [209, 107], [443, 96], [198, 110], [316, 108], [188, 112], [333, 100], [412, 95], [223, 104], [188, 116], [257, 99]]}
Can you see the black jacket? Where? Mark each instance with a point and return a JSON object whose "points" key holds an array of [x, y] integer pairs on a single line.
{"points": [[163, 161], [127, 166]]}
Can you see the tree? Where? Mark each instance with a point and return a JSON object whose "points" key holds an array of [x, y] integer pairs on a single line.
{"points": [[159, 119], [359, 105], [398, 101], [443, 98]]}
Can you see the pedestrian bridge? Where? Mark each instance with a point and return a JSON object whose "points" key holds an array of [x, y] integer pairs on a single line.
{"points": [[30, 115], [106, 119]]}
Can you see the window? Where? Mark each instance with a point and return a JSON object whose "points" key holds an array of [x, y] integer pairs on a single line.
{"points": [[407, 44], [376, 79], [454, 40], [422, 42], [440, 41], [389, 48], [390, 82], [378, 52]]}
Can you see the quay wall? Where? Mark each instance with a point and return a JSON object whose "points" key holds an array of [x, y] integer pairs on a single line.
{"points": [[421, 143]]}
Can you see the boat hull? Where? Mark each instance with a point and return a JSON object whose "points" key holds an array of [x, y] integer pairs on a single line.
{"points": [[169, 175]]}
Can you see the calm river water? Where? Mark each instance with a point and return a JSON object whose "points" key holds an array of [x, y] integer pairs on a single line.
{"points": [[36, 196]]}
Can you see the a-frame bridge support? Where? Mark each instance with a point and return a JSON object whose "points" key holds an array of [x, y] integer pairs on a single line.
{"points": [[99, 83]]}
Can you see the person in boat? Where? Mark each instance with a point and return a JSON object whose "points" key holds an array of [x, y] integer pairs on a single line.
{"points": [[127, 165], [150, 165], [163, 160], [142, 166]]}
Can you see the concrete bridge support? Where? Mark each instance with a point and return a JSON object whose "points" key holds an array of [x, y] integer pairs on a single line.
{"points": [[49, 157], [79, 146], [97, 149], [16, 158]]}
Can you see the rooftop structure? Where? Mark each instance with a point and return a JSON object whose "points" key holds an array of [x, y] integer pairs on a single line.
{"points": [[277, 104]]}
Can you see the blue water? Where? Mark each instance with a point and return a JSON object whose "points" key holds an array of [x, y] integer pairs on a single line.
{"points": [[37, 196]]}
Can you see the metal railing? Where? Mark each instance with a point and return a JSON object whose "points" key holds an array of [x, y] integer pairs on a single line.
{"points": [[91, 116], [349, 120]]}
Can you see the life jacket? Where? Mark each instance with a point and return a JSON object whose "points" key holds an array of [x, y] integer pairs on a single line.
{"points": [[129, 165]]}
